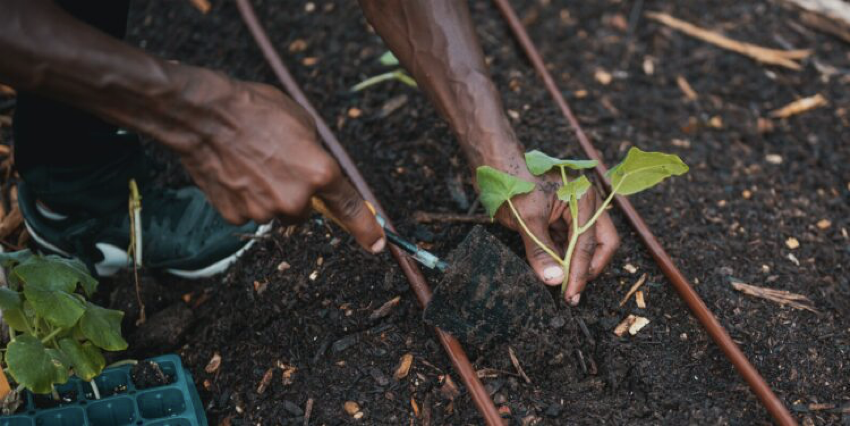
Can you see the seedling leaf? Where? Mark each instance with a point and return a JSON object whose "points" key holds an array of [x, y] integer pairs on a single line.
{"points": [[12, 306], [641, 170], [578, 186], [539, 163], [34, 366], [388, 59], [103, 327], [10, 259], [497, 187], [85, 358]]}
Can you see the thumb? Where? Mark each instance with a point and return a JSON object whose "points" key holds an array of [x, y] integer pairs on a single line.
{"points": [[548, 269], [343, 204]]}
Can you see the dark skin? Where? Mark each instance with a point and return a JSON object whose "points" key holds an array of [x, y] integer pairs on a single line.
{"points": [[234, 137]]}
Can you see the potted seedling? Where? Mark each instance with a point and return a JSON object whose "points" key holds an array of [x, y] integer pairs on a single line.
{"points": [[55, 331], [640, 170]]}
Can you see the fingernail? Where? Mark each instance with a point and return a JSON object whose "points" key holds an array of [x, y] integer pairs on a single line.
{"points": [[379, 245], [553, 273], [575, 299]]}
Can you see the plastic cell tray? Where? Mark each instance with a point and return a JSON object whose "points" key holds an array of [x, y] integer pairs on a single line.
{"points": [[120, 403]]}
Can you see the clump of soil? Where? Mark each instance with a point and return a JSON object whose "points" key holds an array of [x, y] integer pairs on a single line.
{"points": [[488, 293], [148, 374]]}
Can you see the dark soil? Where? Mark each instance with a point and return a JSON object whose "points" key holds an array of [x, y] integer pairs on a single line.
{"points": [[148, 374], [729, 216]]}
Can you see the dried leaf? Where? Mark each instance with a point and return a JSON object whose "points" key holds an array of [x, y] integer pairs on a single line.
{"points": [[214, 363], [267, 379], [385, 309]]}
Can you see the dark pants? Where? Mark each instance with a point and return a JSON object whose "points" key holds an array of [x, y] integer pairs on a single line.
{"points": [[71, 160]]}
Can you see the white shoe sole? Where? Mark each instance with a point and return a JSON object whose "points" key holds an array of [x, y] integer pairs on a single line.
{"points": [[115, 258]]}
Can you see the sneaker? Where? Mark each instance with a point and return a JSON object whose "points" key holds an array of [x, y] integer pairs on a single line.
{"points": [[182, 234]]}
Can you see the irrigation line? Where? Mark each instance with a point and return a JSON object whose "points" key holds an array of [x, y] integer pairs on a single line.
{"points": [[420, 287], [698, 308]]}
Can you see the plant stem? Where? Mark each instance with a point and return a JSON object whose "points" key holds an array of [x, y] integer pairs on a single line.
{"points": [[392, 75], [52, 334], [573, 240], [533, 237], [122, 362], [55, 393], [599, 212], [564, 174]]}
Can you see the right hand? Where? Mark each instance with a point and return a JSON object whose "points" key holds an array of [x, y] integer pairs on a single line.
{"points": [[259, 158]]}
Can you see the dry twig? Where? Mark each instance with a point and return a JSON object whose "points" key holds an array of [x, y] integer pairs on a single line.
{"points": [[518, 367], [800, 106], [785, 58], [783, 297], [634, 288]]}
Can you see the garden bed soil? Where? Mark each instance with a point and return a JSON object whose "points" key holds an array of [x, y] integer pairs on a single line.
{"points": [[296, 338]]}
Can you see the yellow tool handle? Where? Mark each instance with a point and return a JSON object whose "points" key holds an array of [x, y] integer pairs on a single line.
{"points": [[322, 208]]}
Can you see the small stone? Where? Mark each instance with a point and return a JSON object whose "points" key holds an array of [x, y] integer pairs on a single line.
{"points": [[648, 66], [775, 159], [683, 336], [344, 343], [553, 411], [314, 275], [358, 415], [824, 224], [310, 7], [746, 194], [282, 266], [351, 408], [716, 122], [603, 77], [379, 376], [765, 269], [557, 321], [726, 271], [310, 61], [792, 243], [681, 143], [580, 94], [298, 45], [513, 114], [354, 112], [630, 268]]}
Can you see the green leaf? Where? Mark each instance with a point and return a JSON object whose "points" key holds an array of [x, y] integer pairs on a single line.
{"points": [[60, 308], [13, 309], [86, 358], [34, 366], [103, 327], [578, 186], [8, 260], [642, 170], [497, 187], [59, 272], [388, 59], [539, 163]]}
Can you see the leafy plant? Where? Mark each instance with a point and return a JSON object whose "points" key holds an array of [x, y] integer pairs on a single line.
{"points": [[54, 330], [640, 170], [387, 60]]}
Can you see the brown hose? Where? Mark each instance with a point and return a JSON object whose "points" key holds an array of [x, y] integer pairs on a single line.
{"points": [[461, 363], [680, 283]]}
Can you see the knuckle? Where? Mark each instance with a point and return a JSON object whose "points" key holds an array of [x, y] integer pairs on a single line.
{"points": [[588, 247], [324, 172]]}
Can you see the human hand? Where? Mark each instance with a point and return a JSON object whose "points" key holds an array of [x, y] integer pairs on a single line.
{"points": [[259, 158], [549, 219]]}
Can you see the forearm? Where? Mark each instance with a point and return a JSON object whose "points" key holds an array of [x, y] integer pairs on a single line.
{"points": [[50, 53], [435, 40]]}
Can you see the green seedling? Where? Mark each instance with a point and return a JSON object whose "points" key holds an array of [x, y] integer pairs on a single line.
{"points": [[387, 60], [55, 331], [638, 171]]}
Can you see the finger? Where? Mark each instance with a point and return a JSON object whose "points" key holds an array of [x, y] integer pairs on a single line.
{"points": [[583, 252], [346, 205], [607, 243], [547, 268]]}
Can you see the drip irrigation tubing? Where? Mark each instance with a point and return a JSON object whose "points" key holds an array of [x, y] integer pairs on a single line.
{"points": [[420, 287], [698, 308]]}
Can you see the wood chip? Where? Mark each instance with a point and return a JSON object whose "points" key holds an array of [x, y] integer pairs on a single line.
{"points": [[783, 297], [11, 222], [800, 106], [214, 363], [518, 367], [784, 58], [824, 224], [449, 390], [774, 159], [298, 45], [260, 287], [308, 411], [310, 61], [634, 288], [202, 5], [632, 324], [288, 372], [385, 309], [282, 266], [267, 379], [403, 366], [792, 243], [354, 112], [351, 408], [686, 88], [639, 300], [630, 268]]}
